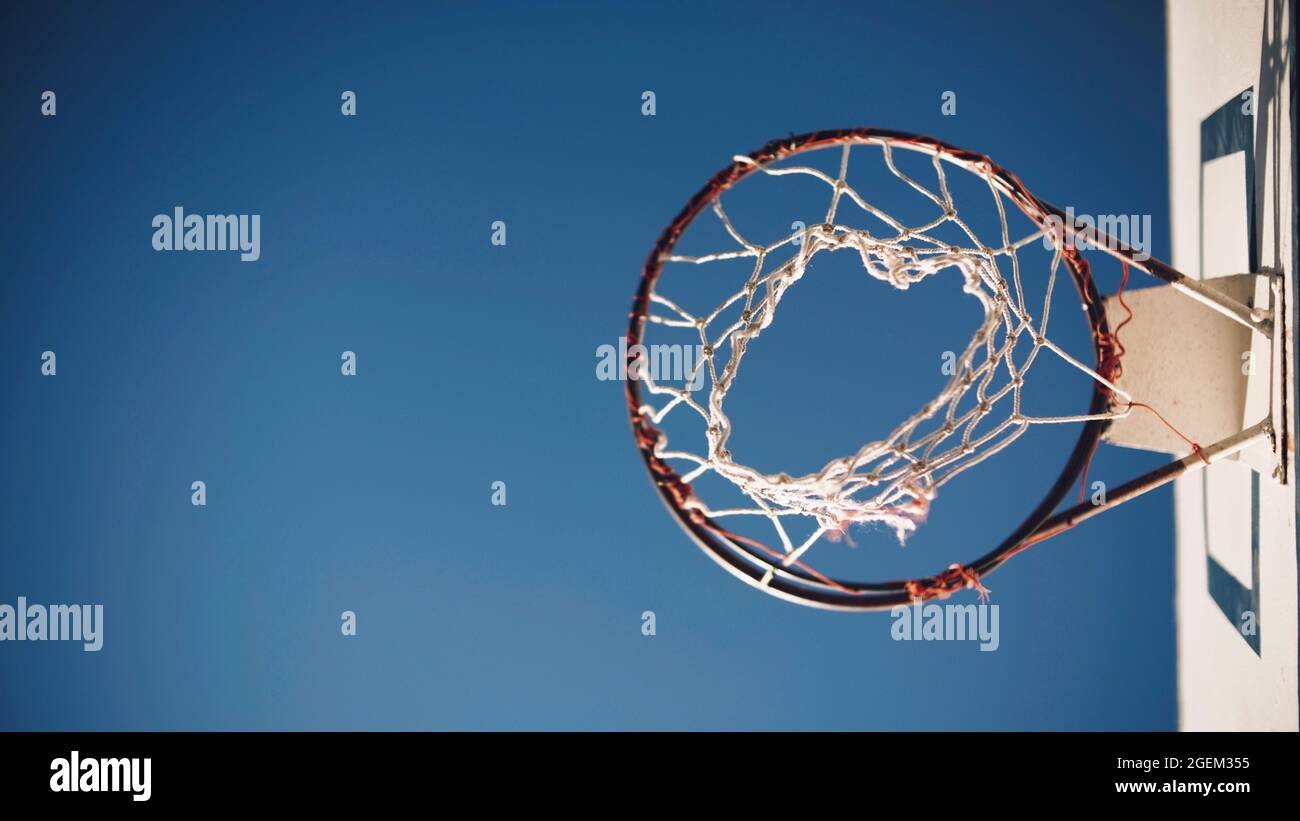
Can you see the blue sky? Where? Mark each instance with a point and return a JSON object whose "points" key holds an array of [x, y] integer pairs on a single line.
{"points": [[476, 364]]}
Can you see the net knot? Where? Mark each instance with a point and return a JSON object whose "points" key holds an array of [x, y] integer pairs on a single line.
{"points": [[946, 583]]}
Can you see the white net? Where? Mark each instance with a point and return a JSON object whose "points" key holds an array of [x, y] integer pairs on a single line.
{"points": [[891, 481]]}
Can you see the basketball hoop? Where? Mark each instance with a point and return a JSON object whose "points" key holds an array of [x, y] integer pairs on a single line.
{"points": [[893, 481]]}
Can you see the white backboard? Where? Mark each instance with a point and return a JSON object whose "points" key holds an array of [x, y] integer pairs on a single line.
{"points": [[1231, 65]]}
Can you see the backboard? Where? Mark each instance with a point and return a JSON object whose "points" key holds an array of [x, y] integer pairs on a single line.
{"points": [[1231, 69]]}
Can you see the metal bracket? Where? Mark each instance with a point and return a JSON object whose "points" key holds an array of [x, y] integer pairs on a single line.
{"points": [[1211, 374]]}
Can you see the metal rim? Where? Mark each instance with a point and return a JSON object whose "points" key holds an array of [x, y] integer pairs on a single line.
{"points": [[793, 583]]}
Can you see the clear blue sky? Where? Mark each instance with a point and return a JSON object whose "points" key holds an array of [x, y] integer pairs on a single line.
{"points": [[477, 362]]}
